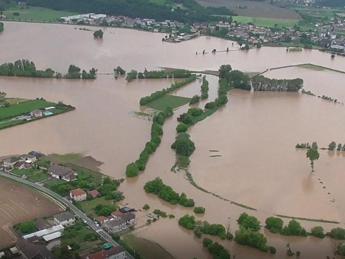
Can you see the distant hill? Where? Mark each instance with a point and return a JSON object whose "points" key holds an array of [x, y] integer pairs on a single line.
{"points": [[180, 10], [254, 8]]}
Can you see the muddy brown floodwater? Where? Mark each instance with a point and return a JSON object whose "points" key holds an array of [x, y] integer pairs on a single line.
{"points": [[255, 134]]}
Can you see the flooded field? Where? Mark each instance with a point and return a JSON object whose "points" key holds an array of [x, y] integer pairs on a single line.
{"points": [[18, 204], [255, 134]]}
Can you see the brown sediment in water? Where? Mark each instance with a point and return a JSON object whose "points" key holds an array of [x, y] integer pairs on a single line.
{"points": [[17, 204], [256, 132]]}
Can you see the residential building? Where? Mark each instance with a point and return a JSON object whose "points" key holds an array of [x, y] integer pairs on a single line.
{"points": [[8, 163], [94, 194], [36, 114], [62, 173], [65, 218], [78, 195], [119, 222], [30, 250]]}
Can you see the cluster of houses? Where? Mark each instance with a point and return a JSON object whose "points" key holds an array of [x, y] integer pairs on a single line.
{"points": [[39, 244], [329, 35], [175, 30], [36, 114], [118, 221], [26, 161]]}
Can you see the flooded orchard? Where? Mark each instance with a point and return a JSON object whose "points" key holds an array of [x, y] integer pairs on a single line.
{"points": [[255, 133]]}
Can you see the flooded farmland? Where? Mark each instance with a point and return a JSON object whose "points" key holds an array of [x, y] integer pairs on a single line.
{"points": [[255, 134]]}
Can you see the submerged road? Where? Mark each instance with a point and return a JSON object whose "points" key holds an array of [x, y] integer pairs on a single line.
{"points": [[68, 204]]}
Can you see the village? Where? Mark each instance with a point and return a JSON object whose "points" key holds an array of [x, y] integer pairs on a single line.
{"points": [[328, 35], [98, 199]]}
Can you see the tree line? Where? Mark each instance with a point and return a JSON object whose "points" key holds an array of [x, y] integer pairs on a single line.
{"points": [[261, 83], [186, 11], [158, 74], [166, 193], [27, 68], [203, 227], [174, 86], [133, 169]]}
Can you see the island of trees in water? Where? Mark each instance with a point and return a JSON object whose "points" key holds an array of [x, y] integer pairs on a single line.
{"points": [[26, 68], [261, 83], [158, 74]]}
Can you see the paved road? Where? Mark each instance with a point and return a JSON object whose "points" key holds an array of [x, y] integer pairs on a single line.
{"points": [[103, 234]]}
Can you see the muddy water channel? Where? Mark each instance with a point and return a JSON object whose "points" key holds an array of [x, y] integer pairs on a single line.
{"points": [[254, 135]]}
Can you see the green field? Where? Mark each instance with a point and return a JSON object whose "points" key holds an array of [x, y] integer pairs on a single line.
{"points": [[266, 22], [23, 108], [17, 107], [89, 206], [146, 248], [166, 101], [81, 239], [34, 14], [33, 175]]}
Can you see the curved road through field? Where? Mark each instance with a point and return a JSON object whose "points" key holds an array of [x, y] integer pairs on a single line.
{"points": [[103, 234]]}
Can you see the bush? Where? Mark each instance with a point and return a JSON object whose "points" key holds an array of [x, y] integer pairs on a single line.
{"points": [[204, 88], [249, 222], [146, 207], [210, 105], [217, 250], [187, 222], [248, 237], [195, 112], [213, 229], [337, 233], [317, 232], [160, 213], [195, 99], [181, 127], [27, 227], [206, 242], [341, 249], [104, 210], [199, 210], [274, 224], [294, 228], [183, 145], [132, 170]]}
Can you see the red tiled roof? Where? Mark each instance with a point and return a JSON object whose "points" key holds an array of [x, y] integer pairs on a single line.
{"points": [[94, 193], [78, 192]]}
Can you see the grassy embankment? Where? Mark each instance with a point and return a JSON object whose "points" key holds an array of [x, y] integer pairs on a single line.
{"points": [[13, 109], [35, 14], [146, 248], [171, 101]]}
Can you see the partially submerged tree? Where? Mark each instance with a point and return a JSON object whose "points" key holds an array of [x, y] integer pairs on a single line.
{"points": [[313, 154]]}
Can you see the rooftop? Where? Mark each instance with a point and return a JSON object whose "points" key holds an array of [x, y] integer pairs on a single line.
{"points": [[64, 216], [78, 192], [60, 170]]}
